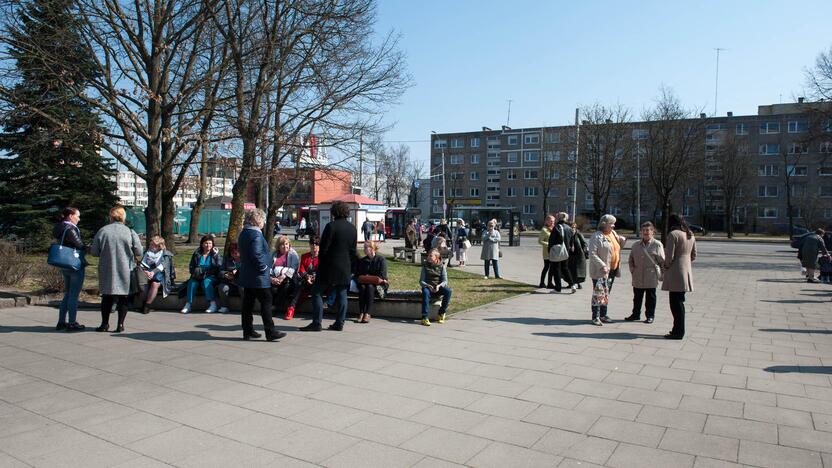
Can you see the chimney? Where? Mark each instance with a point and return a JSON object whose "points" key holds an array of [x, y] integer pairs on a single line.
{"points": [[702, 115], [609, 121], [506, 128], [800, 100], [730, 114], [486, 129]]}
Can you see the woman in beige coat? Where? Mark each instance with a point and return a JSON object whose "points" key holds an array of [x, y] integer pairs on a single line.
{"points": [[604, 259], [646, 260], [679, 252]]}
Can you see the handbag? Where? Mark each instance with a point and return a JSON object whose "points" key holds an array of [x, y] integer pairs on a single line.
{"points": [[198, 274], [659, 271], [65, 257], [466, 244], [370, 279], [558, 252]]}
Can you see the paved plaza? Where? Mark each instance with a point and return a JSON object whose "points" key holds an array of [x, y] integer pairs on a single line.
{"points": [[526, 381]]}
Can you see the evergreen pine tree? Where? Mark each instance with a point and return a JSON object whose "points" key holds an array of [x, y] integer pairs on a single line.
{"points": [[49, 148]]}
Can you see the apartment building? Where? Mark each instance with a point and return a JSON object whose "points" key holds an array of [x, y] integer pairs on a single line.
{"points": [[509, 168], [132, 189]]}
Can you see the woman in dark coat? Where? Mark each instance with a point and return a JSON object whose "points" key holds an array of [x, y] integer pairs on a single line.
{"points": [[205, 272], [578, 256], [66, 232], [335, 266], [374, 266], [812, 247]]}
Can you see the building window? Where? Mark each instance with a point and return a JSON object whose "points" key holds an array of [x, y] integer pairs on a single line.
{"points": [[456, 192], [770, 127], [767, 191], [457, 175], [457, 143], [797, 171], [475, 176], [571, 155], [551, 155], [741, 129], [798, 126], [475, 159], [440, 144], [825, 191], [825, 171], [457, 159], [553, 192], [768, 170], [511, 192], [798, 190], [769, 213], [474, 192], [552, 138], [570, 192], [827, 213], [530, 191], [475, 142], [825, 147], [529, 174], [529, 209], [531, 138], [640, 134], [511, 175], [553, 174], [512, 140], [492, 197], [795, 211], [531, 156], [798, 148], [437, 192], [491, 163], [769, 149], [511, 157]]}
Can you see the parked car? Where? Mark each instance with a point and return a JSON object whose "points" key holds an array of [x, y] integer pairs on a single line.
{"points": [[697, 229], [797, 240]]}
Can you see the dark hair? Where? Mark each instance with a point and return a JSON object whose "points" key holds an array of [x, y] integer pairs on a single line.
{"points": [[207, 237], [67, 212], [648, 224], [820, 231], [314, 240], [231, 247], [339, 210], [677, 222]]}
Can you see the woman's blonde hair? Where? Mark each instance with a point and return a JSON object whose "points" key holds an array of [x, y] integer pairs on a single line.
{"points": [[492, 223], [118, 214], [159, 241], [284, 239], [372, 244], [434, 252]]}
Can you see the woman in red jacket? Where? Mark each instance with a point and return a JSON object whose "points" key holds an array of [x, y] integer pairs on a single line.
{"points": [[306, 275]]}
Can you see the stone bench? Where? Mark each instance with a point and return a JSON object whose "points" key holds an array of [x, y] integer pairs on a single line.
{"points": [[396, 304], [404, 254]]}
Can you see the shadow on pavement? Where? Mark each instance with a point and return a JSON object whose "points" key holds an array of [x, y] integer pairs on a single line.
{"points": [[791, 301], [539, 321], [239, 327], [603, 336], [788, 330], [780, 280], [175, 336], [800, 369], [37, 329]]}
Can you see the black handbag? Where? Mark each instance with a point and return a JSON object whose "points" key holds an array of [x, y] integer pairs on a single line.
{"points": [[198, 274]]}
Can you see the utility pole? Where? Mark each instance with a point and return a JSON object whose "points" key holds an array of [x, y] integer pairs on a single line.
{"points": [[508, 117], [638, 183], [716, 83], [361, 162], [574, 213]]}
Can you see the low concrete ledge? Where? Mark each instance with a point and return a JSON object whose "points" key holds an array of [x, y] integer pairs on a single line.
{"points": [[12, 299]]}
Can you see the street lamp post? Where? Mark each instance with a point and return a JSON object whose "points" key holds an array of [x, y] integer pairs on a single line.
{"points": [[638, 183], [575, 179]]}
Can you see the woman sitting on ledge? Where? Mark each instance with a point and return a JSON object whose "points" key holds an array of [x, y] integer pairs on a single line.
{"points": [[157, 265], [204, 268], [371, 276]]}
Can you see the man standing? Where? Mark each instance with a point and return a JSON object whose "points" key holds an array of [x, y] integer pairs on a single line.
{"points": [[367, 230], [255, 261], [335, 265], [410, 238]]}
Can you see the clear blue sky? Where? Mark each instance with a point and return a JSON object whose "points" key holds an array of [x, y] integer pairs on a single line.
{"points": [[468, 58]]}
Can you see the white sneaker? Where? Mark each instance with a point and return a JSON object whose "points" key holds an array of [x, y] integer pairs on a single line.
{"points": [[574, 289], [484, 277], [223, 310], [211, 308], [187, 308]]}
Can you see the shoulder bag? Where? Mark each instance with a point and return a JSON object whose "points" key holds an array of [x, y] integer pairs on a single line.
{"points": [[558, 252], [659, 271], [65, 257]]}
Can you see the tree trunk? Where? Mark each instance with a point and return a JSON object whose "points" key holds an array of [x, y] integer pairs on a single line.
{"points": [[196, 211], [729, 222], [667, 206], [235, 224], [168, 208]]}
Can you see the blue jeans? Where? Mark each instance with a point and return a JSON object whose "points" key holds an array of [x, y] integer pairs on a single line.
{"points": [[496, 267], [318, 303], [207, 285], [444, 291], [73, 281]]}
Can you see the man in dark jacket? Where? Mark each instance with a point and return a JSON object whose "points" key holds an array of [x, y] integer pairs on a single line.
{"points": [[255, 261], [561, 234], [336, 262]]}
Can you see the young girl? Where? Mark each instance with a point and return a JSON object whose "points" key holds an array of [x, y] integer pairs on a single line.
{"points": [[157, 264]]}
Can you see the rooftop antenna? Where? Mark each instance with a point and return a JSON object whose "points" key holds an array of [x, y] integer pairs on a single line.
{"points": [[508, 117], [716, 84]]}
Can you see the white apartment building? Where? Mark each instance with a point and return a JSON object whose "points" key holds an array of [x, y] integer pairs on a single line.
{"points": [[132, 189]]}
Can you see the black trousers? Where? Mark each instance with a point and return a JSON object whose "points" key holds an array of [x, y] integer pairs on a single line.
{"points": [[677, 308], [638, 296], [107, 307], [366, 296], [558, 270], [544, 274], [282, 296], [264, 297]]}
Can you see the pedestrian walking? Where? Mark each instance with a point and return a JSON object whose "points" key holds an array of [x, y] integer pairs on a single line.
{"points": [[335, 265], [679, 252], [367, 229], [491, 249], [157, 266], [434, 282], [462, 243], [645, 262], [543, 240], [812, 247], [254, 276], [578, 256], [205, 270], [117, 247], [561, 244], [67, 233], [371, 278], [604, 258]]}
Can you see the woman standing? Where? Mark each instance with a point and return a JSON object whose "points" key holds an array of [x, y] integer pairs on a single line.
{"points": [[462, 243], [204, 268], [157, 265], [604, 258], [646, 260], [491, 249], [543, 240], [117, 246], [563, 239], [285, 263], [679, 252], [67, 233], [371, 273], [578, 256], [812, 247]]}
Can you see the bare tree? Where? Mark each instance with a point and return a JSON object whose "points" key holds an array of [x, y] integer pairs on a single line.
{"points": [[819, 77], [735, 168], [604, 146], [672, 148]]}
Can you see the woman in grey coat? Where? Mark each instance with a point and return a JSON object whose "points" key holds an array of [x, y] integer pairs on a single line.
{"points": [[812, 247], [491, 248], [117, 246]]}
